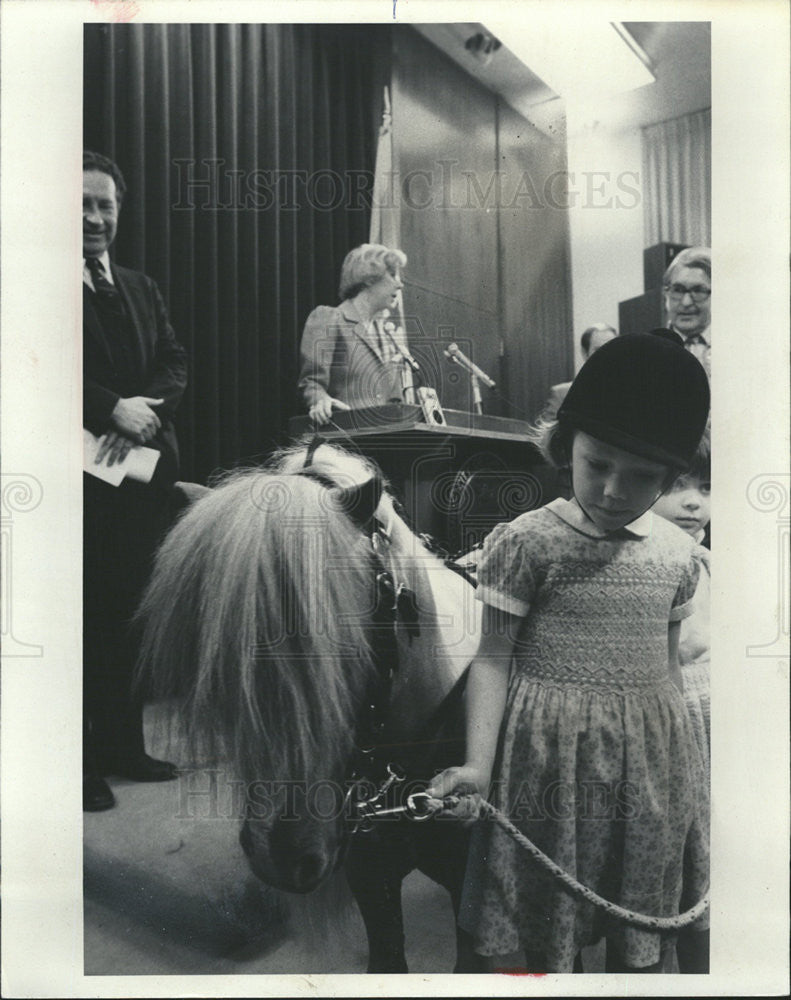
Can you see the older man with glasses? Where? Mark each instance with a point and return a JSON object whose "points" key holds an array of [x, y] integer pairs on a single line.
{"points": [[687, 288]]}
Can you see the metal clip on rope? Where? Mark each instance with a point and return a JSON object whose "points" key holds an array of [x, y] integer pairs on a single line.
{"points": [[421, 806], [367, 810]]}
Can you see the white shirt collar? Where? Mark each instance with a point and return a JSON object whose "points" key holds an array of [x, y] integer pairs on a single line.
{"points": [[571, 512], [105, 261]]}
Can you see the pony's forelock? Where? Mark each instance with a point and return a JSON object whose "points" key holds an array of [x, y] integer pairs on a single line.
{"points": [[255, 621], [342, 467]]}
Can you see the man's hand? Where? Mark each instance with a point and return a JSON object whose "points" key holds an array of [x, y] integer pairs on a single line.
{"points": [[321, 411], [135, 418], [116, 446]]}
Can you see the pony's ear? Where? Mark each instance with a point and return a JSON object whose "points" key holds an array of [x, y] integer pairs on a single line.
{"points": [[360, 502]]}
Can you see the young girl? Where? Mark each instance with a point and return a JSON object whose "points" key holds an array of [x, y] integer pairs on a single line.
{"points": [[688, 501], [688, 504], [595, 762]]}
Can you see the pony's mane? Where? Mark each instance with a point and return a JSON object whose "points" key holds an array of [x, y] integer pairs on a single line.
{"points": [[254, 620], [449, 616]]}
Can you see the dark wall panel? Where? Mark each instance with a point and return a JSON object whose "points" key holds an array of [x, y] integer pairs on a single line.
{"points": [[485, 226], [444, 129], [535, 261], [432, 322]]}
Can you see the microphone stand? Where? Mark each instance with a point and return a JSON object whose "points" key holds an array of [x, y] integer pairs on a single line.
{"points": [[477, 402], [477, 375], [408, 364], [407, 382]]}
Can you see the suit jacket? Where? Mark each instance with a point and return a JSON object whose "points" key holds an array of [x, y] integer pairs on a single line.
{"points": [[156, 363], [556, 396], [701, 351], [339, 357]]}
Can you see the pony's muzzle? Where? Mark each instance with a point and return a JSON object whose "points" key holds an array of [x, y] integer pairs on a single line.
{"points": [[287, 855]]}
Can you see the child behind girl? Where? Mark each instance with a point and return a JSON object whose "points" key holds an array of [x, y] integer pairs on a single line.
{"points": [[688, 501], [589, 740], [688, 504]]}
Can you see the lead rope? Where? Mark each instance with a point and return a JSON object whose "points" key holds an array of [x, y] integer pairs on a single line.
{"points": [[576, 888]]}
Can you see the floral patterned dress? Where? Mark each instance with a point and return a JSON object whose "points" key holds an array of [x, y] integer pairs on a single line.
{"points": [[597, 762], [694, 658]]}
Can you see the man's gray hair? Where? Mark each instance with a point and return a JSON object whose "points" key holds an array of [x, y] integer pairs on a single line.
{"points": [[691, 257]]}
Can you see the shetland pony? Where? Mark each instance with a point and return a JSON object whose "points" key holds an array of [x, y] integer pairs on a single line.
{"points": [[313, 643]]}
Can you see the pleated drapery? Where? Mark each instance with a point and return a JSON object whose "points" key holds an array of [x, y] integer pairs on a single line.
{"points": [[248, 150], [677, 180]]}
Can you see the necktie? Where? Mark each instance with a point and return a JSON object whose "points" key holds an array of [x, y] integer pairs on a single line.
{"points": [[699, 349], [104, 288], [696, 345]]}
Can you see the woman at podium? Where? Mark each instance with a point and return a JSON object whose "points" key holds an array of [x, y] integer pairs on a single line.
{"points": [[350, 355]]}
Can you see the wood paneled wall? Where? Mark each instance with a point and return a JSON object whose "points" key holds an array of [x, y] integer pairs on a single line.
{"points": [[535, 264], [488, 259]]}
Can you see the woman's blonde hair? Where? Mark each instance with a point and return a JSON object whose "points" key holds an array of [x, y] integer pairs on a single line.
{"points": [[367, 264]]}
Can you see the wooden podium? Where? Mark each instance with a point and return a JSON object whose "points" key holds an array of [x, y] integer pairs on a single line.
{"points": [[457, 479]]}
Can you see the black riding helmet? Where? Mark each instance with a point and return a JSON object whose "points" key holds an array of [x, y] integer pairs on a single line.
{"points": [[643, 394]]}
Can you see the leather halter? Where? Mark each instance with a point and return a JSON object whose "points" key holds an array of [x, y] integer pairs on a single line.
{"points": [[371, 772], [359, 503]]}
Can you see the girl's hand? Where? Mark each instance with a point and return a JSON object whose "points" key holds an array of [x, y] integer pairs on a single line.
{"points": [[470, 782]]}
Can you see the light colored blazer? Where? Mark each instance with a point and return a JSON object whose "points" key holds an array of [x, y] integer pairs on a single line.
{"points": [[340, 357]]}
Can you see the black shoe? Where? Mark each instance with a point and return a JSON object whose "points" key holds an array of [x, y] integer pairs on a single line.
{"points": [[141, 767], [96, 794]]}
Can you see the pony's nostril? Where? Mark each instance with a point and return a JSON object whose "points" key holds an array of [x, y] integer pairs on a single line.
{"points": [[308, 872], [246, 839]]}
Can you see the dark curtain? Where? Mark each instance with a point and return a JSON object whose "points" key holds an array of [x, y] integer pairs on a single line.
{"points": [[248, 150]]}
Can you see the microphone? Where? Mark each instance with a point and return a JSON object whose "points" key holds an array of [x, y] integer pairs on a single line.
{"points": [[402, 349], [459, 358]]}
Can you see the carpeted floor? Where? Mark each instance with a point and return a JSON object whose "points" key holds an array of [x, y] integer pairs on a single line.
{"points": [[167, 891]]}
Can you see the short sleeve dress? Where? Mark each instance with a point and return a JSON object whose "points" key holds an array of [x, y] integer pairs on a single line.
{"points": [[597, 763], [694, 659]]}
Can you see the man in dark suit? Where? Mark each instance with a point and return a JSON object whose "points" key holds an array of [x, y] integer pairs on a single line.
{"points": [[590, 341], [134, 374], [687, 287]]}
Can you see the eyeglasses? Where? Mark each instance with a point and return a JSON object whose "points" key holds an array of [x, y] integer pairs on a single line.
{"points": [[698, 293]]}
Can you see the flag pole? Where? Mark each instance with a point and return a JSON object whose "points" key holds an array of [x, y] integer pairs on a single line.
{"points": [[385, 223]]}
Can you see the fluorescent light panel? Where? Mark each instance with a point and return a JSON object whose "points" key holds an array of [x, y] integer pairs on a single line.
{"points": [[578, 59]]}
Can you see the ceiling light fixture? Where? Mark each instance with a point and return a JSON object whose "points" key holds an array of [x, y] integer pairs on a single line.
{"points": [[578, 59]]}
